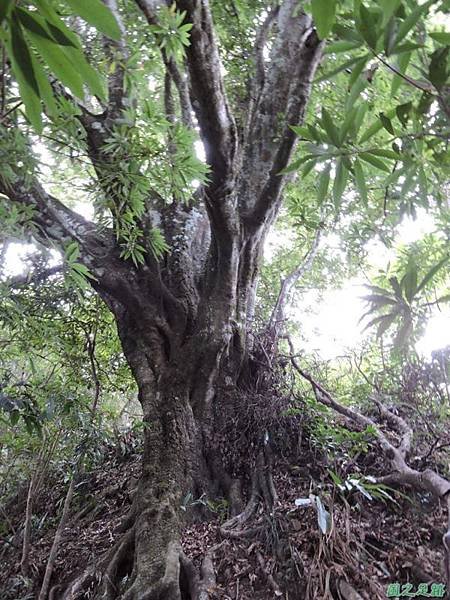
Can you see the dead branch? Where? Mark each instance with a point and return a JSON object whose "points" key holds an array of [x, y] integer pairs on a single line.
{"points": [[402, 474], [56, 541]]}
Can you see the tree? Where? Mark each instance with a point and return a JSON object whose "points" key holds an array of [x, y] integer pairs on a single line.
{"points": [[184, 315]]}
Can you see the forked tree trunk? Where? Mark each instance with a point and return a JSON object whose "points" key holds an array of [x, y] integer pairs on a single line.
{"points": [[183, 321]]}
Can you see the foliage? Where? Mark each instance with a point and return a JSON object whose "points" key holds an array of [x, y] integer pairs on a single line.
{"points": [[38, 42], [403, 301]]}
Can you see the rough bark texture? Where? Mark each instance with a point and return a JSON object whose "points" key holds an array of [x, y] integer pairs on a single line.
{"points": [[183, 322]]}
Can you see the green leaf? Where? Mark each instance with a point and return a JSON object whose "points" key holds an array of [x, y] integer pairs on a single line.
{"points": [[357, 70], [347, 123], [330, 128], [385, 323], [431, 273], [22, 66], [402, 63], [375, 127], [92, 78], [5, 9], [403, 112], [373, 160], [385, 153], [340, 181], [56, 59], [411, 20], [379, 299], [324, 181], [341, 67], [409, 282], [443, 37], [294, 166], [360, 181], [60, 32], [341, 46], [22, 55], [403, 333], [97, 15], [367, 27], [390, 36], [438, 69], [389, 7], [397, 288], [356, 89], [387, 124], [324, 15]]}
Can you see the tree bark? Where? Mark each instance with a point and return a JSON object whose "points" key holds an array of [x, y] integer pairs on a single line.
{"points": [[183, 321]]}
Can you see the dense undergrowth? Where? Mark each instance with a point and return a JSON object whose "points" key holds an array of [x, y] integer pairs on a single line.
{"points": [[333, 531]]}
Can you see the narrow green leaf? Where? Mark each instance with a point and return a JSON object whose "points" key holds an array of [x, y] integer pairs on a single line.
{"points": [[357, 70], [403, 333], [412, 20], [60, 32], [347, 123], [308, 167], [5, 9], [397, 288], [386, 323], [375, 127], [92, 78], [387, 124], [341, 67], [438, 69], [402, 63], [355, 91], [342, 46], [389, 7], [385, 153], [431, 273], [403, 112], [379, 299], [340, 181], [22, 66], [301, 131], [360, 181], [409, 282], [390, 36], [367, 27], [324, 182], [324, 15], [58, 62], [330, 128], [22, 55], [294, 166], [98, 15], [374, 161], [443, 37]]}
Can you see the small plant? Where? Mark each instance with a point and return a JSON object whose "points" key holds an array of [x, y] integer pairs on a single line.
{"points": [[365, 485]]}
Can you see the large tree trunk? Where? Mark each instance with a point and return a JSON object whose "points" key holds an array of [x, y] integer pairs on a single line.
{"points": [[184, 321]]}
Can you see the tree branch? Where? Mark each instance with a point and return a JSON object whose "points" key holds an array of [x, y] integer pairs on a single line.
{"points": [[217, 126], [278, 315], [403, 474], [286, 92], [149, 8]]}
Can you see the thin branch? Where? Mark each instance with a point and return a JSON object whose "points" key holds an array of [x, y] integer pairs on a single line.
{"points": [[285, 294]]}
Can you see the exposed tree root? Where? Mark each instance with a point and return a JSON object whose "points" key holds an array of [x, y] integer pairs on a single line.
{"points": [[402, 473]]}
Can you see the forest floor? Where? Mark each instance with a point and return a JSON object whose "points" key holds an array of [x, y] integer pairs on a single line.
{"points": [[371, 543]]}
